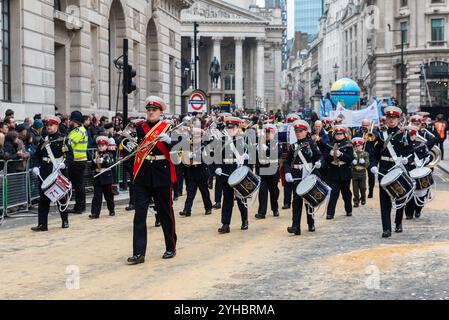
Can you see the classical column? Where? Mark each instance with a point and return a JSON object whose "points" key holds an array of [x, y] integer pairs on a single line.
{"points": [[217, 54], [260, 71], [239, 72], [277, 74]]}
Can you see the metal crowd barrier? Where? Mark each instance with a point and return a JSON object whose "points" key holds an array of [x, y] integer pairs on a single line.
{"points": [[21, 189]]}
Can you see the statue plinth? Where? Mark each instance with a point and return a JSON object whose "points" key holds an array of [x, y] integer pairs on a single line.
{"points": [[215, 96]]}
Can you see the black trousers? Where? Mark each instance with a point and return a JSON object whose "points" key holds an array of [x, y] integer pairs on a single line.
{"points": [[442, 149], [76, 176], [44, 209], [385, 211], [288, 190], [179, 184], [192, 186], [99, 192], [338, 186], [218, 194], [228, 203], [371, 181], [297, 212], [268, 184], [164, 207], [128, 172]]}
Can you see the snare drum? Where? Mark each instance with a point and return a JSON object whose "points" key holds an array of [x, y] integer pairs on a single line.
{"points": [[313, 190], [397, 184], [244, 181], [423, 178], [56, 186]]}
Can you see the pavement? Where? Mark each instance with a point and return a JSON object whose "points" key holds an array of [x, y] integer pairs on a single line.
{"points": [[345, 258]]}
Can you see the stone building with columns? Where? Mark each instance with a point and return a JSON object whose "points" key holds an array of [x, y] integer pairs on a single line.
{"points": [[59, 54], [247, 40]]}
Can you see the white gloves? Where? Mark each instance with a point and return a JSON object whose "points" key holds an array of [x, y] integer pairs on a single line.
{"points": [[165, 138], [339, 153], [404, 161], [218, 171], [374, 170], [99, 160], [264, 147], [61, 166], [288, 177], [318, 164], [36, 171], [245, 157], [362, 161], [354, 162], [190, 155], [427, 160], [331, 153]]}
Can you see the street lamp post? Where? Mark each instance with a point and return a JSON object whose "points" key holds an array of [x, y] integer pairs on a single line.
{"points": [[402, 62]]}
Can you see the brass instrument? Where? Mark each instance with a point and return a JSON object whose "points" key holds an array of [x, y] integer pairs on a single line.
{"points": [[97, 159], [129, 141], [336, 148], [370, 136]]}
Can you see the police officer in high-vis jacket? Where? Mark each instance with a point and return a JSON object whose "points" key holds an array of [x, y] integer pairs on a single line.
{"points": [[77, 160]]}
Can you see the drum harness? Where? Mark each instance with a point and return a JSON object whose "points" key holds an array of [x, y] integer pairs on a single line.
{"points": [[389, 147], [305, 174], [56, 167]]}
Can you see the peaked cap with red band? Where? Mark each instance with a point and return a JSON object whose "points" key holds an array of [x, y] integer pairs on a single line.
{"points": [[292, 117], [102, 140], [393, 111], [416, 118], [232, 120], [340, 129], [155, 102], [359, 141], [301, 124], [53, 119]]}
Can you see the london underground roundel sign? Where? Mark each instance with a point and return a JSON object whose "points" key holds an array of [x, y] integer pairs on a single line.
{"points": [[197, 102]]}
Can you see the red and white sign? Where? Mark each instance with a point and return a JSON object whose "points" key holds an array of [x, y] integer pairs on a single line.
{"points": [[197, 102]]}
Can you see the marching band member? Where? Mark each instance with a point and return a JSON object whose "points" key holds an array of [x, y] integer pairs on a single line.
{"points": [[291, 140], [390, 148], [154, 176], [420, 122], [370, 140], [50, 156], [230, 164], [422, 157], [103, 183], [196, 177], [339, 159], [359, 168], [301, 158], [267, 167]]}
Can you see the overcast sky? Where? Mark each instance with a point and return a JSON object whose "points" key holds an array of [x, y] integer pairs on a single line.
{"points": [[290, 13]]}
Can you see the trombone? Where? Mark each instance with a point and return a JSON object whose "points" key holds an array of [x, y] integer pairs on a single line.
{"points": [[140, 148]]}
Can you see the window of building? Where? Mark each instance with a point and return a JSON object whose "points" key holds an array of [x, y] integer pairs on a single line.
{"points": [[437, 1], [404, 31], [398, 71], [404, 3], [6, 52], [437, 30], [172, 39], [229, 83]]}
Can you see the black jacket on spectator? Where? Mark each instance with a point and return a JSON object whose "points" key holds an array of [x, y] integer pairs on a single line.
{"points": [[11, 149]]}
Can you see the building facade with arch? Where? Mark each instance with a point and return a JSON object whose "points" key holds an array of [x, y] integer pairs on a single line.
{"points": [[58, 55]]}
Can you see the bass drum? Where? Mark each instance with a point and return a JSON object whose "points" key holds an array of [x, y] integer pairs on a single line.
{"points": [[397, 184], [423, 178], [313, 190], [244, 182]]}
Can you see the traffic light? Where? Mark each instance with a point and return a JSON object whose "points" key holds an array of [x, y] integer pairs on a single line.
{"points": [[131, 84]]}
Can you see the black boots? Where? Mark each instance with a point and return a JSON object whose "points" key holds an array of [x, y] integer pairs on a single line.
{"points": [[217, 205], [169, 254], [259, 216], [386, 234], [94, 216], [398, 228], [208, 212], [65, 224], [136, 259], [185, 213], [244, 225], [39, 227], [224, 229], [130, 207], [276, 213], [112, 213], [296, 231], [311, 228]]}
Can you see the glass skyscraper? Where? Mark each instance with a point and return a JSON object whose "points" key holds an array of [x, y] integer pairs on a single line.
{"points": [[307, 13]]}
